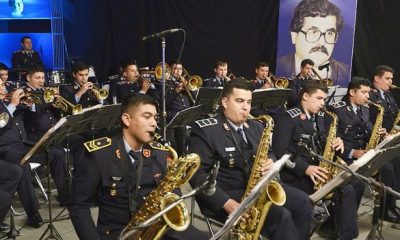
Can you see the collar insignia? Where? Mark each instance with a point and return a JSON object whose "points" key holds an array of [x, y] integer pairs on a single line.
{"points": [[146, 153]]}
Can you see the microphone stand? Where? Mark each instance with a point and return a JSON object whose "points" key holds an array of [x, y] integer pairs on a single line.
{"points": [[376, 228], [170, 206], [164, 111]]}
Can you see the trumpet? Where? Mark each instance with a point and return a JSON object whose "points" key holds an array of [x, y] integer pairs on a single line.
{"points": [[60, 102], [326, 81], [4, 118], [99, 93], [28, 98], [279, 82]]}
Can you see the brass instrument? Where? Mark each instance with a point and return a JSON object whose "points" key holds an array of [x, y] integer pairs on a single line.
{"points": [[329, 153], [394, 86], [327, 81], [60, 102], [396, 124], [99, 93], [375, 136], [28, 98], [4, 118], [279, 82], [179, 172], [193, 82], [250, 227]]}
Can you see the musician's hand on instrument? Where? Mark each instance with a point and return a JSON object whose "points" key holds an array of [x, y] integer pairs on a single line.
{"points": [[338, 144], [357, 153], [316, 173], [383, 132], [266, 165], [145, 85], [267, 84], [231, 205], [16, 96], [179, 87]]}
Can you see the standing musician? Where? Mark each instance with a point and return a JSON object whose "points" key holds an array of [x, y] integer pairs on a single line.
{"points": [[220, 78], [380, 94], [119, 173], [80, 91], [232, 139], [26, 57], [13, 146], [305, 124], [297, 83], [131, 84], [40, 118]]}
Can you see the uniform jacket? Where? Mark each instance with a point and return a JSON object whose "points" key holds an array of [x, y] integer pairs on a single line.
{"points": [[21, 59], [390, 106], [68, 91], [214, 140], [125, 88], [101, 180], [213, 82]]}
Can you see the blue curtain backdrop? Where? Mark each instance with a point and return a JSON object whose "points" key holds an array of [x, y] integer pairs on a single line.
{"points": [[243, 32]]}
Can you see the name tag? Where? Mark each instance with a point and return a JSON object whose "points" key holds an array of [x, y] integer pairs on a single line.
{"points": [[230, 149]]}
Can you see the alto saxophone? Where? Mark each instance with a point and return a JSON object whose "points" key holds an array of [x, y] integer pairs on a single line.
{"points": [[396, 127], [329, 153], [250, 227], [375, 136], [179, 172]]}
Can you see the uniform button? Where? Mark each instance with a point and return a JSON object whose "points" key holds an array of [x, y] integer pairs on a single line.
{"points": [[107, 232], [16, 124], [50, 118], [138, 187]]}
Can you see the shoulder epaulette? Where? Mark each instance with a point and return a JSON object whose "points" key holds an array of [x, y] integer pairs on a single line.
{"points": [[206, 122], [157, 145], [338, 104], [294, 112], [97, 144], [321, 114], [18, 51]]}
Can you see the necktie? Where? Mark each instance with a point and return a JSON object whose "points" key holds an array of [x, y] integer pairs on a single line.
{"points": [[313, 122], [135, 155], [240, 131], [359, 113]]}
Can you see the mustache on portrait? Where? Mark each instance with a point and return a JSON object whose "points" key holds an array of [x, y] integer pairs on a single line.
{"points": [[319, 49]]}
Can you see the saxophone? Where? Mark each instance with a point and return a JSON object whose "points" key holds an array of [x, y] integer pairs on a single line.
{"points": [[375, 136], [250, 227], [329, 153], [179, 172], [396, 128]]}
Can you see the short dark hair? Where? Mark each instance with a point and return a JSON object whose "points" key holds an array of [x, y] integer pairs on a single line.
{"points": [[128, 62], [315, 8], [79, 66], [24, 38], [3, 66], [175, 62], [220, 62], [381, 69], [133, 101], [306, 61], [311, 86], [35, 69], [262, 64], [239, 83], [356, 83]]}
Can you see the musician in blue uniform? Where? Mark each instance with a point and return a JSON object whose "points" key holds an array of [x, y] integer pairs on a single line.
{"points": [[305, 124], [220, 78], [37, 121], [133, 83], [232, 139], [4, 77], [297, 83], [381, 94], [119, 173], [13, 146]]}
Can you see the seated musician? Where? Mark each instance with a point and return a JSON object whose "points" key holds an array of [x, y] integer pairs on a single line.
{"points": [[13, 146], [297, 83], [355, 128], [4, 77], [37, 121], [306, 124], [133, 83], [119, 173], [232, 139], [80, 91], [221, 71]]}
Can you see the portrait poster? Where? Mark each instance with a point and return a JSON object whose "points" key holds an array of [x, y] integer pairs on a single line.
{"points": [[25, 9], [320, 30]]}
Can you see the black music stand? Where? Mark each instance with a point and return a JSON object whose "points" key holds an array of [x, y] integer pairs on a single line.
{"points": [[209, 98], [187, 116], [270, 98]]}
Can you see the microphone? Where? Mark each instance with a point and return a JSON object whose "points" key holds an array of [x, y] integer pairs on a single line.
{"points": [[326, 65], [159, 34], [209, 186]]}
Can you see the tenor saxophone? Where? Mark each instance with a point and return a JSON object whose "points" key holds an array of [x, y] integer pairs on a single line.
{"points": [[396, 123], [179, 172], [375, 136], [250, 226]]}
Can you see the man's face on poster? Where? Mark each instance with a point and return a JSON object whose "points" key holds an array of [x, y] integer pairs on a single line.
{"points": [[17, 6], [309, 45]]}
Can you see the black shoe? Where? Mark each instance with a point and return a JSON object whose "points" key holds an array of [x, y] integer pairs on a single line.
{"points": [[4, 227], [35, 221], [326, 231], [391, 216]]}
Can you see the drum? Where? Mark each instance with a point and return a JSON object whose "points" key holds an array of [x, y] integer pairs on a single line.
{"points": [[55, 77]]}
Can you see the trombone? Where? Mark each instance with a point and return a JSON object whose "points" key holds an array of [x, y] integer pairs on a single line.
{"points": [[193, 83], [327, 81], [60, 102], [279, 82]]}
